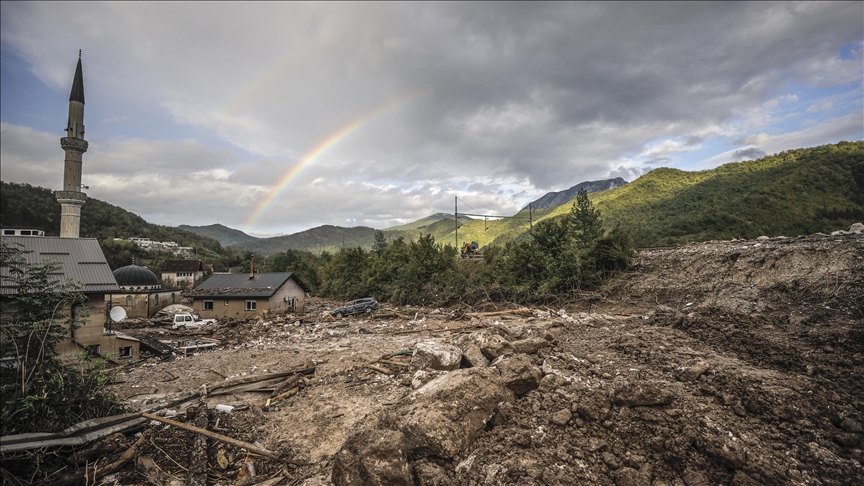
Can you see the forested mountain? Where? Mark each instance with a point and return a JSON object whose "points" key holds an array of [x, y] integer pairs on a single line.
{"points": [[23, 205], [552, 199], [327, 237], [224, 235]]}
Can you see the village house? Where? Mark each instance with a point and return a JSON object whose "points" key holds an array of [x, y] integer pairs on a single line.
{"points": [[181, 273], [242, 295], [81, 260]]}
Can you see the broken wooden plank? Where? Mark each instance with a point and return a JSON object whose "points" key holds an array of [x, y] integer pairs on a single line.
{"points": [[379, 369], [228, 440], [524, 311], [392, 362]]}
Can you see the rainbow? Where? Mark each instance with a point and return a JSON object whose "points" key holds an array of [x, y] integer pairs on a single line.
{"points": [[322, 147], [292, 59]]}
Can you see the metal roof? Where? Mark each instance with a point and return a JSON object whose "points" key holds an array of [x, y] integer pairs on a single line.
{"points": [[81, 259], [240, 285]]}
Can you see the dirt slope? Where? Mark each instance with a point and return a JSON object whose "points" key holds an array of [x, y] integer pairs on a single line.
{"points": [[720, 363]]}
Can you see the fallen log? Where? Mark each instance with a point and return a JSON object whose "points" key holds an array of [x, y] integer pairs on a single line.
{"points": [[228, 440], [516, 312], [288, 394], [198, 466]]}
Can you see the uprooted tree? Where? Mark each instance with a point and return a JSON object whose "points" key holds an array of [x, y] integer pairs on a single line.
{"points": [[38, 392]]}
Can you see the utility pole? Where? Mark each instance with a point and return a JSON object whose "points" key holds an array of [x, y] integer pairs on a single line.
{"points": [[456, 219]]}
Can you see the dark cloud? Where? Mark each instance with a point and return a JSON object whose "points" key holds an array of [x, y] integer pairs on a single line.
{"points": [[750, 153], [502, 101]]}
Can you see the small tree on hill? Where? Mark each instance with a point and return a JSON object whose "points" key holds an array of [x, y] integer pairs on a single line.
{"points": [[585, 221]]}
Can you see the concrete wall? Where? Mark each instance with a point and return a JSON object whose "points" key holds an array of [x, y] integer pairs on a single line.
{"points": [[233, 307], [170, 279], [288, 291], [93, 333], [145, 304]]}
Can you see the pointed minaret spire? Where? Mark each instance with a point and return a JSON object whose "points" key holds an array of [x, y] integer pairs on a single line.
{"points": [[71, 198], [77, 93]]}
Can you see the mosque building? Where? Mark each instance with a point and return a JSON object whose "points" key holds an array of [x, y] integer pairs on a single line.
{"points": [[80, 260]]}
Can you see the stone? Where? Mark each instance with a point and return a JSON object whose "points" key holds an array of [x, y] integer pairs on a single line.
{"points": [[627, 476], [594, 406], [850, 425], [435, 355], [495, 346], [644, 394], [518, 373], [561, 417], [594, 444], [611, 460], [373, 457], [421, 377], [856, 228], [693, 477], [529, 345], [430, 474], [472, 357], [446, 415], [551, 382], [692, 372]]}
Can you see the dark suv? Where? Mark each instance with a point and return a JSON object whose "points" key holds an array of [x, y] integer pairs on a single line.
{"points": [[359, 306]]}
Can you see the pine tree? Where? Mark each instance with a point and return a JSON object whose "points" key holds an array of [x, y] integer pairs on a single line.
{"points": [[585, 221]]}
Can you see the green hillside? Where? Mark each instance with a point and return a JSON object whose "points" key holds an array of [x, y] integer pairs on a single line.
{"points": [[802, 191], [323, 238], [23, 205], [224, 235], [428, 220]]}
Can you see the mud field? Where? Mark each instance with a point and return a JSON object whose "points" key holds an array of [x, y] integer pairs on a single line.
{"points": [[735, 362]]}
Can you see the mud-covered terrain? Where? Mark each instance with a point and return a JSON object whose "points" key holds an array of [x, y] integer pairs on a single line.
{"points": [[735, 362]]}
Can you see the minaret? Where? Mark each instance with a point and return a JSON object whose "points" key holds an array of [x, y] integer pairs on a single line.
{"points": [[71, 198]]}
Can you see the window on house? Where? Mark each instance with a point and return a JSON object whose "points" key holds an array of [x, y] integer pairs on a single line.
{"points": [[95, 349], [25, 233], [124, 352], [208, 305], [8, 232], [227, 301], [128, 301], [156, 298], [173, 298], [251, 305]]}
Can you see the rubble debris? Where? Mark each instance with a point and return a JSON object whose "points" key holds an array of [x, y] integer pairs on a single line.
{"points": [[435, 355]]}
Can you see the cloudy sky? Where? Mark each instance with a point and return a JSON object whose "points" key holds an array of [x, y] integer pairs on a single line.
{"points": [[277, 117]]}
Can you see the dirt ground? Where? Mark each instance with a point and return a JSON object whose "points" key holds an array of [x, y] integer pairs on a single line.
{"points": [[733, 362]]}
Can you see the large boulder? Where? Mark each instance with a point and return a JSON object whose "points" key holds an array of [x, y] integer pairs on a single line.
{"points": [[372, 458], [519, 373], [435, 355], [472, 357], [530, 345], [446, 415]]}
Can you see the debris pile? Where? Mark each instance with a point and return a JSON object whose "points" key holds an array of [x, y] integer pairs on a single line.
{"points": [[731, 363]]}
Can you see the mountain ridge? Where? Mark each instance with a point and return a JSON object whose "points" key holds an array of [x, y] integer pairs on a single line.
{"points": [[552, 199]]}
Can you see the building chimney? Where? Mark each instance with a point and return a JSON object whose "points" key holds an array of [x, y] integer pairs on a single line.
{"points": [[252, 267]]}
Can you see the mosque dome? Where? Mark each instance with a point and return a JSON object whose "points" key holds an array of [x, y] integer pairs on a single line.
{"points": [[133, 277]]}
